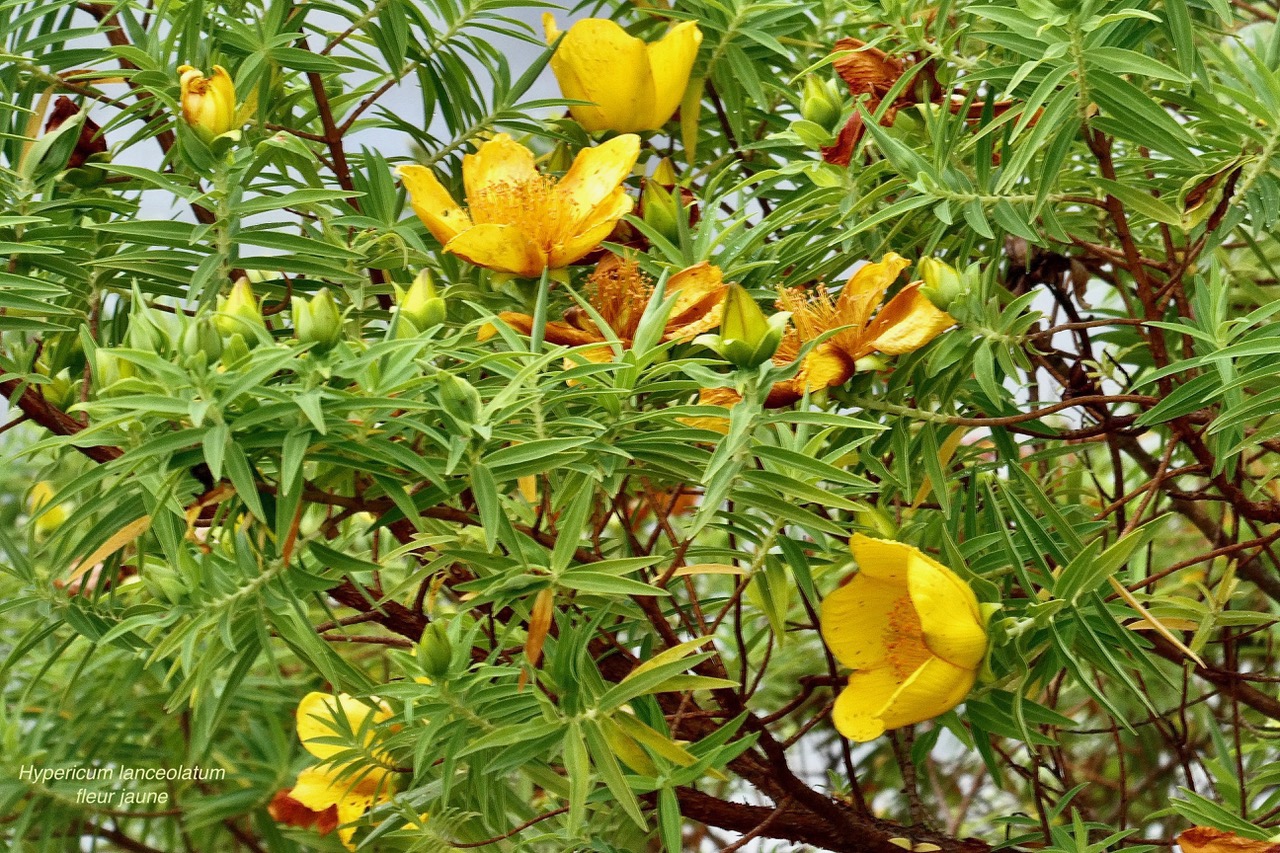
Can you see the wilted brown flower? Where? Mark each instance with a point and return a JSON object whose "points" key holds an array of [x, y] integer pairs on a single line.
{"points": [[1206, 839]]}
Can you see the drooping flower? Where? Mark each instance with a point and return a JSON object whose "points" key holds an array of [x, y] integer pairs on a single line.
{"points": [[336, 793], [619, 293], [631, 86], [208, 103], [912, 631], [518, 220]]}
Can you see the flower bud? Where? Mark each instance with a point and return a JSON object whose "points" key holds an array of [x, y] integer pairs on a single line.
{"points": [[459, 397], [145, 332], [871, 363], [208, 103], [163, 582], [659, 210], [942, 283], [238, 314], [665, 173], [201, 336], [561, 158], [421, 304], [820, 104], [110, 368], [747, 337], [435, 650], [58, 390], [235, 351], [317, 321]]}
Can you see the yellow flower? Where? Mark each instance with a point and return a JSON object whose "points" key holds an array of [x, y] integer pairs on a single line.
{"points": [[911, 630], [518, 220], [905, 323], [634, 86], [53, 517], [208, 103], [619, 293], [350, 787]]}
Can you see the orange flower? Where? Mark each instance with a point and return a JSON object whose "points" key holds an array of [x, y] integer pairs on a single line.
{"points": [[619, 293], [1206, 839]]}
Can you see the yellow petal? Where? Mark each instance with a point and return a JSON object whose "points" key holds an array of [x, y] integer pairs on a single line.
{"points": [[882, 558], [858, 619], [549, 27], [857, 710], [699, 302], [671, 59], [725, 397], [371, 790], [824, 367], [593, 180], [866, 288], [499, 160], [353, 793], [592, 231], [949, 616], [933, 689], [318, 788], [561, 334], [598, 62], [876, 700], [503, 248], [433, 204], [223, 95], [317, 721], [907, 322]]}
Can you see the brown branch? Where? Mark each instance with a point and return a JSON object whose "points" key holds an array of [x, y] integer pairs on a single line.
{"points": [[35, 407], [867, 835], [1228, 681]]}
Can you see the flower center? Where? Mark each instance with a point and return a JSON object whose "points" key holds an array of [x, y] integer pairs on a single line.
{"points": [[620, 293], [533, 205], [904, 639]]}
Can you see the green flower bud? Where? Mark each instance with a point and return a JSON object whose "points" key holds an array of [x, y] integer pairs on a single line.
{"points": [[201, 336], [58, 390], [317, 321], [435, 650], [163, 582], [665, 173], [561, 158], [145, 331], [872, 363], [235, 352], [660, 211], [942, 283], [820, 104], [421, 304], [110, 368], [747, 337], [239, 314], [459, 397]]}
